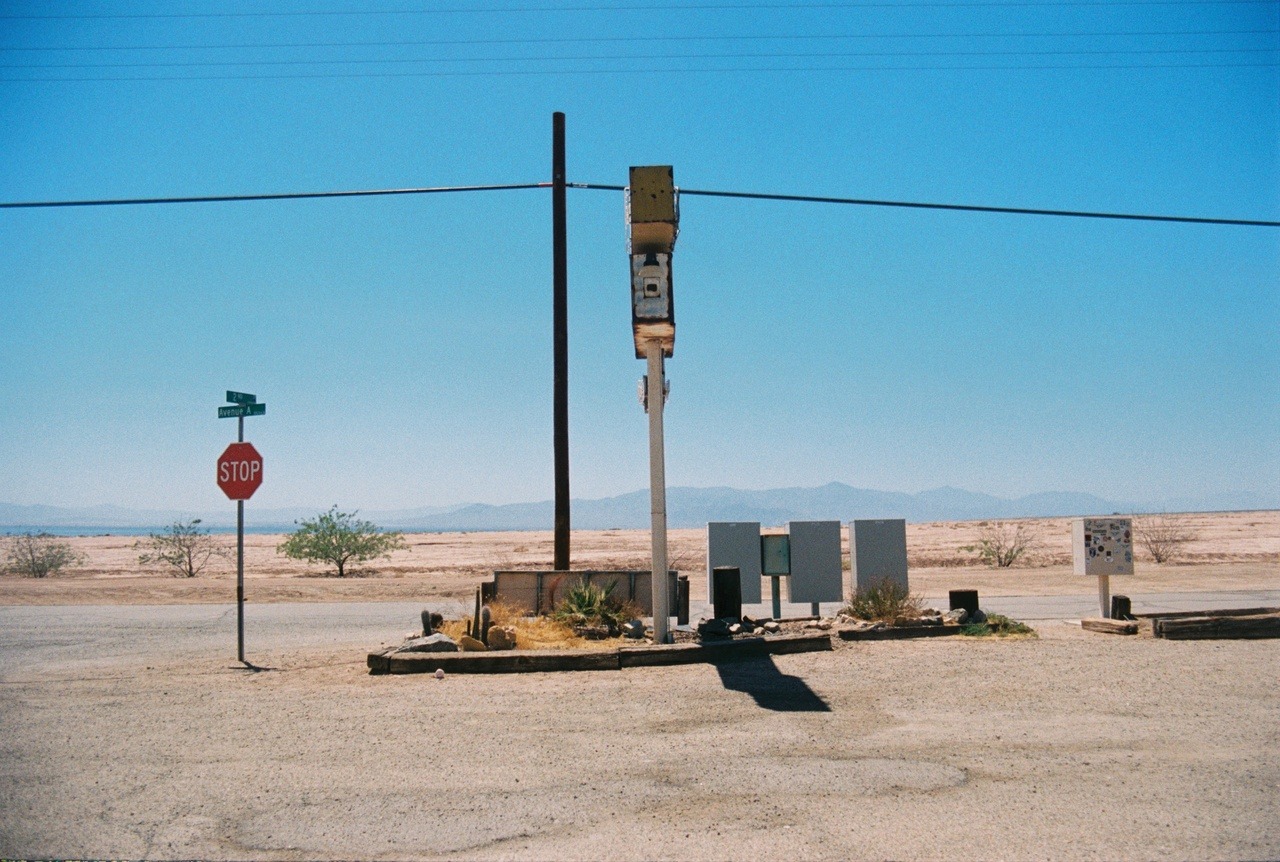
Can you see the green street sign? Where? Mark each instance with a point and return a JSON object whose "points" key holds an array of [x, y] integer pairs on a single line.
{"points": [[242, 410], [240, 397]]}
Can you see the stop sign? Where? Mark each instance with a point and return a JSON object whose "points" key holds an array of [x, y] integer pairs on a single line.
{"points": [[239, 471]]}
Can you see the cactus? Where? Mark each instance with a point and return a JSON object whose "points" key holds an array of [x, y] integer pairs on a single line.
{"points": [[426, 623], [486, 620]]}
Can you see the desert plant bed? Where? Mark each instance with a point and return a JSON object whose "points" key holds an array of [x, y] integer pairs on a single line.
{"points": [[391, 661]]}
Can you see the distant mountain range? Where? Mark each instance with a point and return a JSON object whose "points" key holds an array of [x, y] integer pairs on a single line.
{"points": [[686, 507]]}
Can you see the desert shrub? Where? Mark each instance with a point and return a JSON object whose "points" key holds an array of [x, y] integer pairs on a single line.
{"points": [[997, 625], [339, 538], [1163, 536], [38, 555], [183, 549], [1000, 545], [586, 604], [885, 600]]}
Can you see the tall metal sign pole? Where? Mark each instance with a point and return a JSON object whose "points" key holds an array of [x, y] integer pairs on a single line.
{"points": [[560, 313], [239, 475], [652, 219]]}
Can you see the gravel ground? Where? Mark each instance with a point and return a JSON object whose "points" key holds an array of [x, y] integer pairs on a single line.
{"points": [[1075, 746]]}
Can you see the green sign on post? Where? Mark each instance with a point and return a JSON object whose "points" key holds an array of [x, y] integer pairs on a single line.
{"points": [[242, 404], [238, 410]]}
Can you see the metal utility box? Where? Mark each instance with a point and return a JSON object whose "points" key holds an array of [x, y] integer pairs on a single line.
{"points": [[775, 556], [654, 211], [878, 552], [816, 573], [1102, 546], [736, 544]]}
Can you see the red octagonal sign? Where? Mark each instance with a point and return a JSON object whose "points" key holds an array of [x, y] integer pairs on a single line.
{"points": [[239, 471]]}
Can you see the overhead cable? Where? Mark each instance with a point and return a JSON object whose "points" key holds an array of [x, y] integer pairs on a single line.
{"points": [[613, 188]]}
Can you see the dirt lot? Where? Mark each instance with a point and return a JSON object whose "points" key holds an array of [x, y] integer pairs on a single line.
{"points": [[1231, 551], [126, 730], [1073, 746]]}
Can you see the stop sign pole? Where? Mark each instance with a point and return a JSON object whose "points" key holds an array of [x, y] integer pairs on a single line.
{"points": [[239, 475]]}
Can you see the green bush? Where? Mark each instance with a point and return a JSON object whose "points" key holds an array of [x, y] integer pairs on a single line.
{"points": [[586, 604], [997, 625], [885, 600], [339, 538]]}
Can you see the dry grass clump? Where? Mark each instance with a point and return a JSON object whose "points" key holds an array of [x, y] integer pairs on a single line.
{"points": [[531, 632], [885, 601]]}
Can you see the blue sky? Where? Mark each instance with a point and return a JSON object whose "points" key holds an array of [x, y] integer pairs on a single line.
{"points": [[403, 345]]}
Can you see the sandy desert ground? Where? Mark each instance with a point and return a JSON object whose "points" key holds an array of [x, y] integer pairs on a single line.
{"points": [[1231, 551], [127, 731]]}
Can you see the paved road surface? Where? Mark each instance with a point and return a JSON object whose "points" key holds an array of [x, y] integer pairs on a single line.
{"points": [[66, 636]]}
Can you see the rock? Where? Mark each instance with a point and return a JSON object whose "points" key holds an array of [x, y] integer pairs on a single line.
{"points": [[633, 629], [431, 643], [501, 637], [735, 628], [956, 617], [822, 625], [470, 644], [713, 629], [930, 620], [758, 630], [772, 627], [978, 616]]}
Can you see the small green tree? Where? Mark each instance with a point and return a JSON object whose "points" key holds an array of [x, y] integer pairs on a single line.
{"points": [[338, 538], [38, 555], [183, 548]]}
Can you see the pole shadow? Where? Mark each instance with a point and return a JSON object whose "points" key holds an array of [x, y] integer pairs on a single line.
{"points": [[769, 687]]}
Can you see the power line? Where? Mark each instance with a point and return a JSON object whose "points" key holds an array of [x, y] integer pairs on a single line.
{"points": [[205, 199], [655, 7], [739, 70], [583, 57], [612, 188], [650, 39], [953, 207]]}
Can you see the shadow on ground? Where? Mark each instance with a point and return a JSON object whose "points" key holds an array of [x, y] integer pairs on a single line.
{"points": [[769, 687]]}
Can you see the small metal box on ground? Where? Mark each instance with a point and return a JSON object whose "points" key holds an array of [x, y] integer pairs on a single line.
{"points": [[816, 573], [878, 553], [736, 544]]}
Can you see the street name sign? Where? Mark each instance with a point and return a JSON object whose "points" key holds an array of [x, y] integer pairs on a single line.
{"points": [[236, 410], [240, 397]]}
